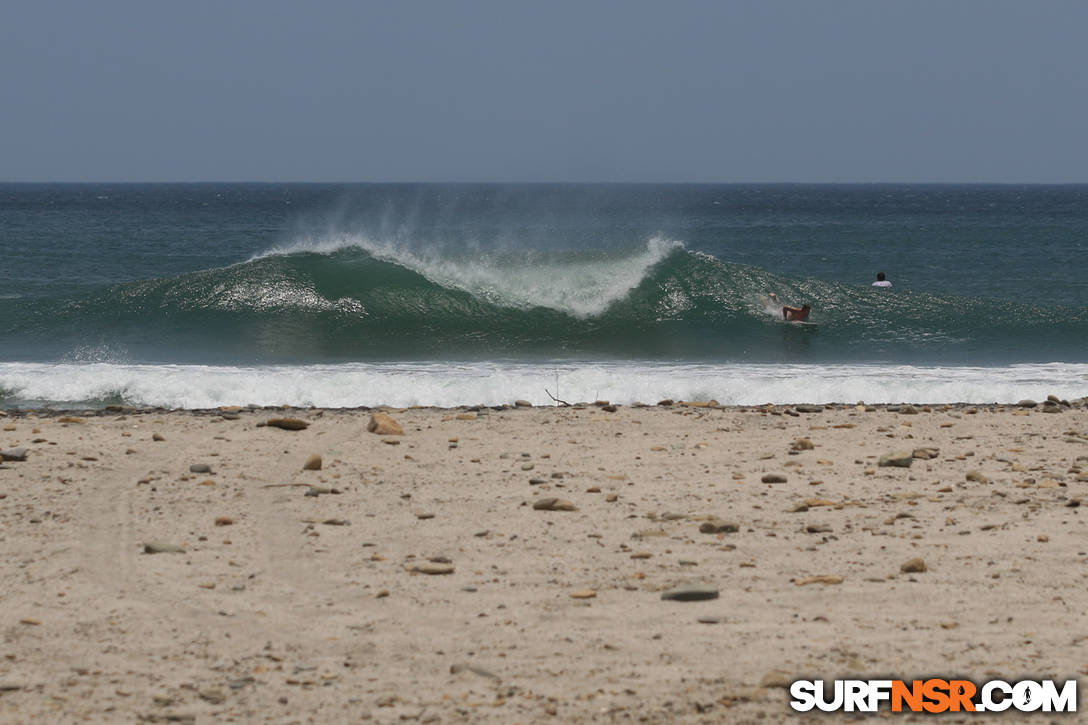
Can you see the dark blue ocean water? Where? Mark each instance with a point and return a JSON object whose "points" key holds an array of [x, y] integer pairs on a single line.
{"points": [[105, 285]]}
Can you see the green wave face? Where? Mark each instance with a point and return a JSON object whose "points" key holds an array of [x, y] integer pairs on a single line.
{"points": [[360, 301]]}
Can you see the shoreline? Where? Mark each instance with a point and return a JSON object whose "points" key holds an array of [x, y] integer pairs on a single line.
{"points": [[420, 576], [783, 408]]}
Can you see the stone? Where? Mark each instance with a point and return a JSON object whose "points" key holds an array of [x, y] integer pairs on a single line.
{"points": [[609, 408], [223, 521], [313, 463], [900, 459], [709, 620], [802, 444], [716, 526], [432, 568], [925, 454], [287, 423], [13, 454], [773, 478], [158, 437], [554, 504], [583, 594], [160, 547], [809, 408], [819, 579], [818, 529], [200, 468], [976, 476], [1027, 403], [908, 410], [381, 424], [459, 668], [522, 404], [777, 678], [913, 566], [690, 594]]}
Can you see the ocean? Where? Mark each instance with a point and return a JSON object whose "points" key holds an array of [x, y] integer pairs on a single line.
{"points": [[344, 295]]}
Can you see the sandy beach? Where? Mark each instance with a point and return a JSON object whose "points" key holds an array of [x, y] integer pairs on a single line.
{"points": [[425, 577]]}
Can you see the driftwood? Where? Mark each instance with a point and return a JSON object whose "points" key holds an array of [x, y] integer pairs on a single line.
{"points": [[562, 402]]}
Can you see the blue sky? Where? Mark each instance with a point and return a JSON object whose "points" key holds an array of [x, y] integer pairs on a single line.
{"points": [[776, 91]]}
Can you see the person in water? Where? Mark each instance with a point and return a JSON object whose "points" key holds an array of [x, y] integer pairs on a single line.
{"points": [[796, 314], [790, 313], [880, 281]]}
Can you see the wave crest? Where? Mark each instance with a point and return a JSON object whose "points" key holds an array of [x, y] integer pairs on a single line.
{"points": [[579, 284]]}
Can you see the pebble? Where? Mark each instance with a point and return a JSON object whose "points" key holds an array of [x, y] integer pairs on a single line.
{"points": [[690, 594], [809, 408], [717, 526], [381, 424], [977, 477], [802, 444], [773, 478], [583, 594], [709, 620], [818, 529], [522, 404], [913, 566], [287, 423], [223, 521], [459, 668], [1027, 403], [899, 459], [554, 504], [776, 678], [159, 547], [926, 453], [313, 463], [820, 579], [432, 568], [200, 468], [611, 498], [13, 454], [158, 437]]}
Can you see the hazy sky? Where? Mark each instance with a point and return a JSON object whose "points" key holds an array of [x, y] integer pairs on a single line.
{"points": [[459, 90]]}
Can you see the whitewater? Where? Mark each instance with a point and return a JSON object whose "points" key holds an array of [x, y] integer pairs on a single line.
{"points": [[501, 383]]}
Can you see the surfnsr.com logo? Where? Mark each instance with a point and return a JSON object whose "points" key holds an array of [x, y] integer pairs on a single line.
{"points": [[933, 696]]}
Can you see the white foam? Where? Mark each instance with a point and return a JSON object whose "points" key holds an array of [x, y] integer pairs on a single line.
{"points": [[582, 287], [493, 383]]}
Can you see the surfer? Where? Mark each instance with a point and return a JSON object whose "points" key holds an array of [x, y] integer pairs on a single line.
{"points": [[880, 281], [796, 314], [790, 313]]}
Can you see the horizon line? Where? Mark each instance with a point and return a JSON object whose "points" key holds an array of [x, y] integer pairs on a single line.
{"points": [[543, 183]]}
